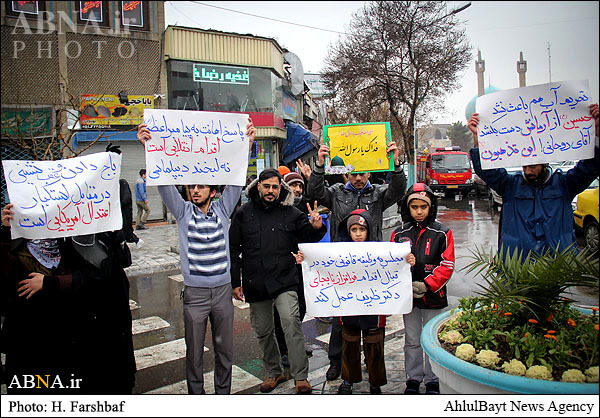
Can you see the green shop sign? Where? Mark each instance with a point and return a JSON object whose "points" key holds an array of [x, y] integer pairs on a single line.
{"points": [[221, 74], [27, 122]]}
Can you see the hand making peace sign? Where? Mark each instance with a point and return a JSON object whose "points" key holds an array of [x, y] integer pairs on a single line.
{"points": [[315, 217]]}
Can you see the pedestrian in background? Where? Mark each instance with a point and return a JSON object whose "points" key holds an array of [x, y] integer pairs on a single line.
{"points": [[357, 228], [263, 237], [343, 198], [141, 201], [127, 214], [205, 265], [432, 265]]}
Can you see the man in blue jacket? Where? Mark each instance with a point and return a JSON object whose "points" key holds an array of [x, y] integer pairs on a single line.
{"points": [[536, 205], [141, 201]]}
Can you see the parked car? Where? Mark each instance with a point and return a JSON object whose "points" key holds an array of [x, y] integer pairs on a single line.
{"points": [[564, 166], [494, 198], [585, 215]]}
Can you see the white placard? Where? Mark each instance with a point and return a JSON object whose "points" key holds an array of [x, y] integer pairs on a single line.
{"points": [[356, 278], [535, 125], [193, 147], [64, 198]]}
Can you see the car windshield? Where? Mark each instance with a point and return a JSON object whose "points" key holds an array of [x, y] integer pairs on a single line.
{"points": [[450, 162]]}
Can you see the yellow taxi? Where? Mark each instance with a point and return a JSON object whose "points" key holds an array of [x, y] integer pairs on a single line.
{"points": [[585, 215]]}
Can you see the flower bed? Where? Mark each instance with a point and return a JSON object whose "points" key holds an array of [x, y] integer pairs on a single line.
{"points": [[563, 347]]}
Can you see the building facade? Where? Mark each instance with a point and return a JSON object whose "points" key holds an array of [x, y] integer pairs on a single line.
{"points": [[79, 70]]}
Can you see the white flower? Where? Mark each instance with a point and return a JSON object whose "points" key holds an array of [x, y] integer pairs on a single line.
{"points": [[539, 372], [487, 358], [514, 367], [573, 376], [591, 374], [452, 337], [465, 352]]}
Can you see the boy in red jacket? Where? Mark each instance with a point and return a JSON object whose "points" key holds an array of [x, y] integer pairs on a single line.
{"points": [[432, 261]]}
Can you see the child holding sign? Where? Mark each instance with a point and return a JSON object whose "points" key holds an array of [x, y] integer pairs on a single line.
{"points": [[357, 227], [432, 261]]}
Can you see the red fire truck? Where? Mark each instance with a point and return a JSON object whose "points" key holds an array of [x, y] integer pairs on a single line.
{"points": [[446, 170]]}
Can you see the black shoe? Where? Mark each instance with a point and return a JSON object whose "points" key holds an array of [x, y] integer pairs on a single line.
{"points": [[345, 389], [285, 360], [140, 227], [375, 390], [333, 372], [412, 387], [432, 388]]}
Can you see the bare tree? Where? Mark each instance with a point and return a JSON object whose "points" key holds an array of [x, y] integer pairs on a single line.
{"points": [[405, 54]]}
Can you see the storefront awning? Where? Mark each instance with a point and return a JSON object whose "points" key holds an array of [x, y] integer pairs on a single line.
{"points": [[298, 142], [109, 136]]}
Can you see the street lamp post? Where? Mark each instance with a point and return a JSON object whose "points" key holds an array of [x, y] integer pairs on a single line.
{"points": [[452, 12]]}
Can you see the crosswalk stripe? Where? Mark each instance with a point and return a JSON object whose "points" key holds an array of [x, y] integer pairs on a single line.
{"points": [[148, 324], [177, 278], [290, 384], [160, 353], [240, 380]]}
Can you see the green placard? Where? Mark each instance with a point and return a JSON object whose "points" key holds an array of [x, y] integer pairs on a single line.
{"points": [[36, 122]]}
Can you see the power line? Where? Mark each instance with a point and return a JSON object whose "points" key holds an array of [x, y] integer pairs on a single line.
{"points": [[266, 18]]}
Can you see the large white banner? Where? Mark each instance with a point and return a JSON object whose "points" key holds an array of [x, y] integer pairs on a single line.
{"points": [[64, 198], [356, 278], [535, 125], [193, 147]]}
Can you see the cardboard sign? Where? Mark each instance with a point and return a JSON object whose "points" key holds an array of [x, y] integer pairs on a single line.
{"points": [[64, 198], [362, 147], [356, 278], [192, 147], [535, 125]]}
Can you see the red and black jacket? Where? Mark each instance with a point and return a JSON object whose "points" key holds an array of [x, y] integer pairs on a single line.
{"points": [[432, 243]]}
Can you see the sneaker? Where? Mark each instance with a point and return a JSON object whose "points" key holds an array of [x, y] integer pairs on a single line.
{"points": [[285, 360], [333, 372], [139, 244], [432, 388], [374, 390], [345, 389], [412, 387], [303, 387], [140, 227], [271, 383]]}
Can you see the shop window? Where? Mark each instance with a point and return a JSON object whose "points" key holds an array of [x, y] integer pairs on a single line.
{"points": [[134, 15], [212, 87], [92, 12], [28, 9]]}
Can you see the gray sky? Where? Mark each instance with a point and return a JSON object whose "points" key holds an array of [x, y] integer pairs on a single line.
{"points": [[499, 29]]}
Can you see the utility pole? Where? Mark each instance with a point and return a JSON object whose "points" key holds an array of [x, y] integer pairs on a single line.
{"points": [[549, 65]]}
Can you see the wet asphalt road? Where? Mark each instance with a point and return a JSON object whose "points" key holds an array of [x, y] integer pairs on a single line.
{"points": [[471, 220]]}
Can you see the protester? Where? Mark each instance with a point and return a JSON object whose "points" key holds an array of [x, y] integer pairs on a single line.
{"points": [[67, 315], [265, 232], [296, 183], [432, 261], [536, 205], [141, 201], [341, 199], [357, 227], [205, 265]]}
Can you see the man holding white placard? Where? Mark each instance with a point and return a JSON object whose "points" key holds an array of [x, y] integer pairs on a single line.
{"points": [[536, 213], [205, 266]]}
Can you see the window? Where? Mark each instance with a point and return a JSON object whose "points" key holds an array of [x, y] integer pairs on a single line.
{"points": [[134, 15], [255, 90], [29, 9], [95, 12]]}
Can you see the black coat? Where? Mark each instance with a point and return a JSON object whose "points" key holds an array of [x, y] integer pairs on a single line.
{"points": [[265, 238]]}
